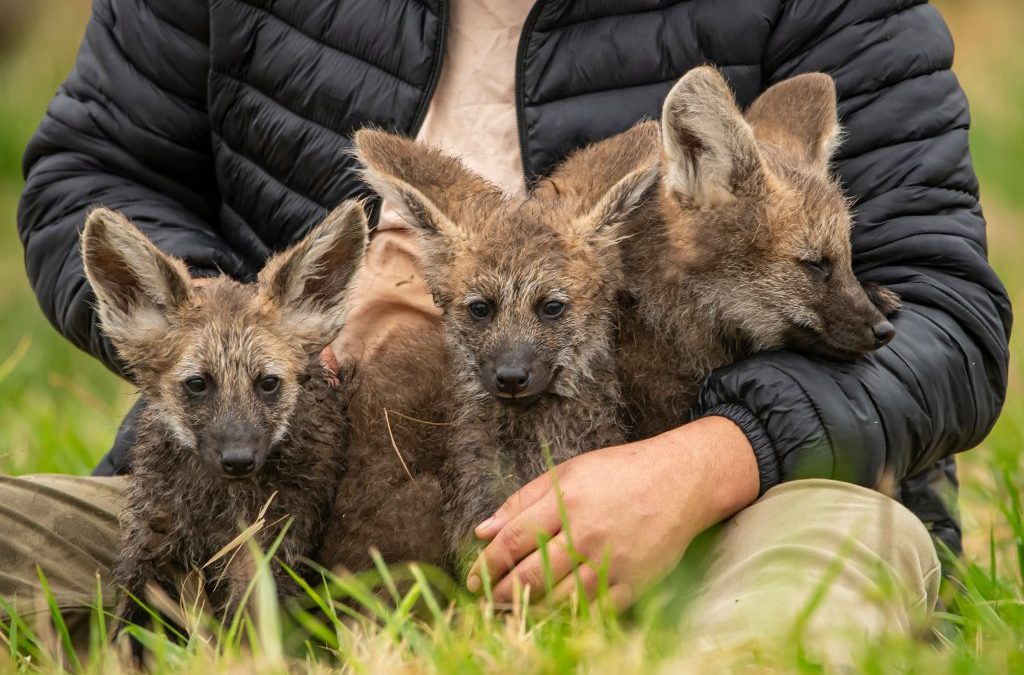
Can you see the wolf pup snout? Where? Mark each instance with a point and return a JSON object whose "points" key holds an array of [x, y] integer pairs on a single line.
{"points": [[518, 374], [884, 332], [521, 332], [515, 369], [238, 462], [838, 320], [237, 452], [512, 380], [232, 414]]}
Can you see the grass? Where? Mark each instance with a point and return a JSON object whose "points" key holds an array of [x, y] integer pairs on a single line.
{"points": [[58, 407], [59, 410]]}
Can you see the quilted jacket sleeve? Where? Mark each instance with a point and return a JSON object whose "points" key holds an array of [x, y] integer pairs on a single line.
{"points": [[127, 130], [939, 386]]}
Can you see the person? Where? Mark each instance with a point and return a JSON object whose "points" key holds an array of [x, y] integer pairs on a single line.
{"points": [[224, 131]]}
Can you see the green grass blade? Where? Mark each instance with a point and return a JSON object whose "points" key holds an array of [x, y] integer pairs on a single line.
{"points": [[385, 575], [428, 597], [58, 622]]}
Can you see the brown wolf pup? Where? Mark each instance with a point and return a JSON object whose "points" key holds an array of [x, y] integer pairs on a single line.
{"points": [[746, 248], [529, 295], [239, 416]]}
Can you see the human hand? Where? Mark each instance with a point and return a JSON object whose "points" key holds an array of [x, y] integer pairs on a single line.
{"points": [[633, 507]]}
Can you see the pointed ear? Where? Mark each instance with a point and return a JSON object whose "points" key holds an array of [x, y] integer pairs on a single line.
{"points": [[709, 149], [138, 289], [799, 116], [308, 282], [588, 173], [427, 187], [607, 218]]}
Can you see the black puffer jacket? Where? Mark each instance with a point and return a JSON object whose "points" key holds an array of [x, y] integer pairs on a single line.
{"points": [[221, 127]]}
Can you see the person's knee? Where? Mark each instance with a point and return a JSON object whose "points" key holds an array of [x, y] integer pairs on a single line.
{"points": [[866, 549], [65, 526], [846, 520], [832, 562]]}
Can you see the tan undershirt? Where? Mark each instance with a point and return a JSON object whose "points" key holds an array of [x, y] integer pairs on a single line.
{"points": [[472, 115]]}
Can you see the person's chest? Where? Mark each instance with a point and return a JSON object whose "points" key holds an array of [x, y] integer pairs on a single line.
{"points": [[291, 80]]}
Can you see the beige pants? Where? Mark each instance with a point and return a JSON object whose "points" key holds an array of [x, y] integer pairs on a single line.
{"points": [[869, 556], [829, 564]]}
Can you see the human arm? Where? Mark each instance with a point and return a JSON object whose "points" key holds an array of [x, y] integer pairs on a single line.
{"points": [[938, 387]]}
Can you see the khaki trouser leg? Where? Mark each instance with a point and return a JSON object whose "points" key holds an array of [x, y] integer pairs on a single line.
{"points": [[830, 563], [68, 526], [868, 560]]}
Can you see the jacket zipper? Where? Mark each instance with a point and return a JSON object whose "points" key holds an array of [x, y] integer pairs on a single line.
{"points": [[435, 72], [524, 39]]}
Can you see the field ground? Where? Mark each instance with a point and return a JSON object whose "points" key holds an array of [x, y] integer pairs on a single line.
{"points": [[59, 410]]}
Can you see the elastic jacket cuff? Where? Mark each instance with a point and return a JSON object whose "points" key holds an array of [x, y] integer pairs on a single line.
{"points": [[764, 451]]}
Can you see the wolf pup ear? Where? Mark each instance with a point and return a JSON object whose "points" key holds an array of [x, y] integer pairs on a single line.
{"points": [[799, 116], [591, 171], [426, 186], [137, 288], [309, 281], [709, 149], [606, 220]]}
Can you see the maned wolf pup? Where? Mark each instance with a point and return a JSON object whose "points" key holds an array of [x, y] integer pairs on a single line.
{"points": [[239, 416], [746, 248], [529, 294]]}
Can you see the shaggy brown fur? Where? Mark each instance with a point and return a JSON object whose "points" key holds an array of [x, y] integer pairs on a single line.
{"points": [[391, 500], [227, 370], [523, 284], [746, 248]]}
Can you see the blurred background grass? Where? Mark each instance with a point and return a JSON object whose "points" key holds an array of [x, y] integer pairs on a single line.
{"points": [[59, 408]]}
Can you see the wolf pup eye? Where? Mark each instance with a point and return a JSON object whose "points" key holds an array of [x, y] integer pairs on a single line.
{"points": [[195, 386], [479, 309], [820, 269], [552, 309], [269, 384]]}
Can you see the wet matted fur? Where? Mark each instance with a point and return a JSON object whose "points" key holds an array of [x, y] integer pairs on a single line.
{"points": [[524, 285], [390, 501], [225, 368]]}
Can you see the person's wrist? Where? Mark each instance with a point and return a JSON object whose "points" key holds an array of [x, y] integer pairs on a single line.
{"points": [[737, 474], [718, 465]]}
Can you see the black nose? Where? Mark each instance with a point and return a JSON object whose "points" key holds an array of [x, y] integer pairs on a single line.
{"points": [[512, 379], [884, 333], [238, 462]]}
